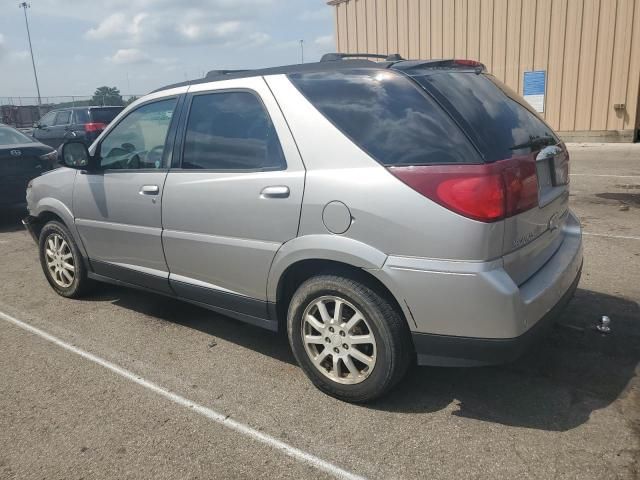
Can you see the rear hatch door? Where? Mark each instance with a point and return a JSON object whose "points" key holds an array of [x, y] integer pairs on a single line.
{"points": [[503, 126], [104, 114]]}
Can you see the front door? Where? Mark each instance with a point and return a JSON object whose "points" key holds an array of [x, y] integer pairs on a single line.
{"points": [[234, 198], [118, 205], [43, 132]]}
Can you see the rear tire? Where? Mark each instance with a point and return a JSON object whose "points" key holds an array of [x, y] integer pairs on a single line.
{"points": [[351, 341], [61, 261]]}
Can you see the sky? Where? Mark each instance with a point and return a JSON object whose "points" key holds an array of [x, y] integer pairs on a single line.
{"points": [[140, 45]]}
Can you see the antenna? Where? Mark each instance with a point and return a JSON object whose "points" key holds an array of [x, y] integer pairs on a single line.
{"points": [[25, 5]]}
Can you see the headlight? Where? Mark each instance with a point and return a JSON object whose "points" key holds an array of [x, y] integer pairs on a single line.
{"points": [[50, 157]]}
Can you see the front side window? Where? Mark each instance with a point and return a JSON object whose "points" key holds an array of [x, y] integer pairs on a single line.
{"points": [[138, 141], [62, 118], [387, 116], [48, 119], [230, 131]]}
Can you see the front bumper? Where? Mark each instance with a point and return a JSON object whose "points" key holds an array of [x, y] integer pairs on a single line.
{"points": [[473, 313]]}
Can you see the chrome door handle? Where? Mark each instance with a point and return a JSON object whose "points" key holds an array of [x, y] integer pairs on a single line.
{"points": [[149, 190], [275, 191]]}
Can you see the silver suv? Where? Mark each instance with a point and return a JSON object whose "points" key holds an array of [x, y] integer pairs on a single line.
{"points": [[382, 213]]}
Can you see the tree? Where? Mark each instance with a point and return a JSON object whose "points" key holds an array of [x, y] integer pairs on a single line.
{"points": [[107, 96]]}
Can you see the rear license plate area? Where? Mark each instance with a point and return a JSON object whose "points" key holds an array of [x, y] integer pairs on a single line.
{"points": [[560, 169], [545, 179], [552, 168]]}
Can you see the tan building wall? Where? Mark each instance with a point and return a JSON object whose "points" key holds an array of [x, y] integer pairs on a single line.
{"points": [[589, 49]]}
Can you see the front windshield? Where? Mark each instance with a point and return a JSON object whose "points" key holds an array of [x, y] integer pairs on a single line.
{"points": [[11, 136]]}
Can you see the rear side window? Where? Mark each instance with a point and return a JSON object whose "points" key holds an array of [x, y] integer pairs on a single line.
{"points": [[82, 116], [104, 115], [230, 131], [388, 116], [499, 121]]}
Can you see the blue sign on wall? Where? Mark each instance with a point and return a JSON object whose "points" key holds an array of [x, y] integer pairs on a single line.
{"points": [[534, 88]]}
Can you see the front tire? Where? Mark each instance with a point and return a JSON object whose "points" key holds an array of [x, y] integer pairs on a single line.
{"points": [[61, 261], [351, 342]]}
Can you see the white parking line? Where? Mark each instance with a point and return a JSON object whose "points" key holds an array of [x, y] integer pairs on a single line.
{"points": [[217, 417], [602, 175], [626, 237]]}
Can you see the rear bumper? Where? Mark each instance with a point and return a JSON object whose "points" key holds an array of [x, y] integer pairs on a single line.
{"points": [[452, 351], [474, 313]]}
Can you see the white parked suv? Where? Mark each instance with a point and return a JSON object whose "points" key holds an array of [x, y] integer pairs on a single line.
{"points": [[379, 212]]}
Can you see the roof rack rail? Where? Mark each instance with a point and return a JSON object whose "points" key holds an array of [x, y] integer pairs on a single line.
{"points": [[217, 73], [331, 57]]}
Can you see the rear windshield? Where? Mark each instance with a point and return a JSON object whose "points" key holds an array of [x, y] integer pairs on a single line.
{"points": [[104, 115], [97, 115], [9, 136], [499, 121], [387, 115]]}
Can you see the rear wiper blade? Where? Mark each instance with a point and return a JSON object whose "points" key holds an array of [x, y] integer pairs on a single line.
{"points": [[535, 142]]}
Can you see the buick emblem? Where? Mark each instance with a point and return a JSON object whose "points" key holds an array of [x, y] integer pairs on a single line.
{"points": [[15, 153]]}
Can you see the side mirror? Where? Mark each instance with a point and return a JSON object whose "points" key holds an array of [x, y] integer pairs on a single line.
{"points": [[37, 125], [75, 154]]}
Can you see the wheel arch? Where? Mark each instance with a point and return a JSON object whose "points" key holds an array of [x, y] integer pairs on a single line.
{"points": [[49, 209], [312, 255]]}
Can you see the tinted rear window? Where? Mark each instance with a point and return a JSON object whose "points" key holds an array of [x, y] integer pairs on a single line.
{"points": [[387, 115], [104, 115], [9, 136], [499, 121]]}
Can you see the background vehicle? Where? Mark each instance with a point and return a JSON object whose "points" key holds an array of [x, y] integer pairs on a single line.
{"points": [[83, 123], [434, 224], [21, 159]]}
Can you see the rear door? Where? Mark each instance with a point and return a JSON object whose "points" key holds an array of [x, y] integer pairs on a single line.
{"points": [[118, 206], [233, 196], [504, 127]]}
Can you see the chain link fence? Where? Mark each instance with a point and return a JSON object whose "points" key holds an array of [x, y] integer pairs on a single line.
{"points": [[65, 100], [22, 112]]}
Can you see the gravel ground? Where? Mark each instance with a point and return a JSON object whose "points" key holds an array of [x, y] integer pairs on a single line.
{"points": [[570, 408]]}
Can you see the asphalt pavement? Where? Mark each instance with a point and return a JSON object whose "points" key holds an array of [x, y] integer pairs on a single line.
{"points": [[127, 384]]}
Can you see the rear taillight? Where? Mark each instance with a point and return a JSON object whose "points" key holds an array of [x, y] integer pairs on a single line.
{"points": [[94, 127], [487, 192], [468, 63]]}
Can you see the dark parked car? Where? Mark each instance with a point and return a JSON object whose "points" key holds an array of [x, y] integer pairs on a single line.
{"points": [[21, 159], [83, 123]]}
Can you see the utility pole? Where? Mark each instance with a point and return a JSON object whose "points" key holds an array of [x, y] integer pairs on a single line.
{"points": [[25, 5], [301, 51]]}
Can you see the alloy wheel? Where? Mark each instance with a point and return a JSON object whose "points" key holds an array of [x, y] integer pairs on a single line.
{"points": [[59, 260], [338, 340]]}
